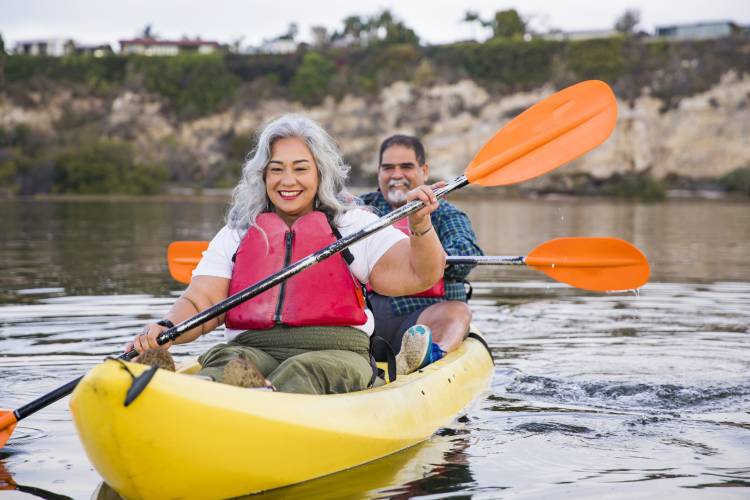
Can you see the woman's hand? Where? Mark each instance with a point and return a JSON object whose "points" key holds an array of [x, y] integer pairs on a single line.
{"points": [[419, 222], [147, 339]]}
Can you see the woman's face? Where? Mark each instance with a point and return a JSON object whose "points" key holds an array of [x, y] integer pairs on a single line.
{"points": [[291, 178]]}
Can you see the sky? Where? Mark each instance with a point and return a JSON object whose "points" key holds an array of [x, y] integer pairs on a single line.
{"points": [[253, 21]]}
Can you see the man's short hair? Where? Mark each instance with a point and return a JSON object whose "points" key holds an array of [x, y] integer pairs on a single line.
{"points": [[408, 141]]}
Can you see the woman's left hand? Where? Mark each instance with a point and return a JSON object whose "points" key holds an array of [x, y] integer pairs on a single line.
{"points": [[419, 221]]}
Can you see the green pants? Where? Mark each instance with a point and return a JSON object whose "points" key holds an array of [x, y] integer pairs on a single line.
{"points": [[303, 360]]}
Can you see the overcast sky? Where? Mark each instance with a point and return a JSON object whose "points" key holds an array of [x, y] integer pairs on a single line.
{"points": [[435, 21]]}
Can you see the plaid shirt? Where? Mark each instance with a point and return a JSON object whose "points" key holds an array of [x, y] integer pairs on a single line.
{"points": [[455, 233]]}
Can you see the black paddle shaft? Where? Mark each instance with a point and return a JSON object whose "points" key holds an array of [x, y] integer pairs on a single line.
{"points": [[253, 290]]}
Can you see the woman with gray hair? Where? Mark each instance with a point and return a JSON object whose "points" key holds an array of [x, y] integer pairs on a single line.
{"points": [[311, 333]]}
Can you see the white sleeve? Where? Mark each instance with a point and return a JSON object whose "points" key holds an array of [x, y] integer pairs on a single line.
{"points": [[217, 259], [368, 251]]}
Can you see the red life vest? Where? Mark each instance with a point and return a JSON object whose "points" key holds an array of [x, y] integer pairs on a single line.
{"points": [[325, 294], [436, 290]]}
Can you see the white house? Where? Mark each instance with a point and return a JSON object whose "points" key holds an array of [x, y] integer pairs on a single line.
{"points": [[579, 35], [154, 47], [277, 46], [55, 47], [699, 31]]}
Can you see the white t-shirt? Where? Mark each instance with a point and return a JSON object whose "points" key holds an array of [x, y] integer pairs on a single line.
{"points": [[217, 259]]}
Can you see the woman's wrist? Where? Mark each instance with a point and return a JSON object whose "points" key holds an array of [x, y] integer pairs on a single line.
{"points": [[419, 232]]}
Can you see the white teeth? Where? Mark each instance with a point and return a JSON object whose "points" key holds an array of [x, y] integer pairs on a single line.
{"points": [[289, 193]]}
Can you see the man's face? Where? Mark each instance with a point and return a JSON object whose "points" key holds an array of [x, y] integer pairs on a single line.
{"points": [[398, 173]]}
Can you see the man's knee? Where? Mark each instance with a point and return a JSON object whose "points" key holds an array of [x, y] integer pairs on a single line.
{"points": [[452, 311]]}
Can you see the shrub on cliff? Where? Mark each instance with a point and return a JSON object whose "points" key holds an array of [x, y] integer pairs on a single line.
{"points": [[106, 167], [95, 72], [501, 63], [310, 82], [194, 84], [641, 187], [738, 180], [596, 59]]}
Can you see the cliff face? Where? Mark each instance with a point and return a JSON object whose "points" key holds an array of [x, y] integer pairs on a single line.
{"points": [[702, 137]]}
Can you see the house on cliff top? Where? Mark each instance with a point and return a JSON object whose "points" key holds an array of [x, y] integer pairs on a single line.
{"points": [[53, 47], [154, 47], [701, 31]]}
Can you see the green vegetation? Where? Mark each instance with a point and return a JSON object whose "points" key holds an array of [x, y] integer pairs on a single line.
{"points": [[597, 59], [368, 30], [311, 81], [636, 187], [30, 164], [106, 167], [79, 156], [97, 73], [505, 65], [506, 24], [738, 180], [195, 84]]}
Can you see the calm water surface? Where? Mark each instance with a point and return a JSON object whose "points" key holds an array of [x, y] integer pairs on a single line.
{"points": [[616, 395]]}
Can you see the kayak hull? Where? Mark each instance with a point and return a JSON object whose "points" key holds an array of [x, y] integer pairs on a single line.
{"points": [[187, 437]]}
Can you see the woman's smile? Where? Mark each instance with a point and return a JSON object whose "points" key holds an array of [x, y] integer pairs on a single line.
{"points": [[291, 179], [289, 195]]}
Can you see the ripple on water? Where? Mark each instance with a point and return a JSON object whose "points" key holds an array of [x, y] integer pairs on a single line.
{"points": [[631, 396], [589, 391]]}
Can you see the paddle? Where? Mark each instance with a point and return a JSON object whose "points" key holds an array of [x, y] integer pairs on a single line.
{"points": [[556, 130], [597, 264]]}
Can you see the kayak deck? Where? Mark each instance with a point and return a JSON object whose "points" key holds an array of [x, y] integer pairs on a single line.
{"points": [[187, 437]]}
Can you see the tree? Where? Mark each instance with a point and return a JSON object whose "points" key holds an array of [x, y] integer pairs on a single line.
{"points": [[236, 45], [628, 21], [508, 24], [382, 27], [291, 32], [395, 31], [472, 17], [310, 82], [148, 32]]}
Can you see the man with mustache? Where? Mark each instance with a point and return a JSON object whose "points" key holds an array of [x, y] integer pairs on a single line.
{"points": [[442, 309]]}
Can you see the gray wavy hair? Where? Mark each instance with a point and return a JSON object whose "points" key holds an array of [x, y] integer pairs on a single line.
{"points": [[249, 198]]}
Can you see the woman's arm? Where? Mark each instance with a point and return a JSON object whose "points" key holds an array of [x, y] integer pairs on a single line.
{"points": [[202, 293], [416, 264]]}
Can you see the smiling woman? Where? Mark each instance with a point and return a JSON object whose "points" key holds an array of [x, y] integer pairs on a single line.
{"points": [[297, 337], [291, 179]]}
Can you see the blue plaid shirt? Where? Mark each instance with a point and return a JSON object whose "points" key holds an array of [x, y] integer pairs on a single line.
{"points": [[454, 230]]}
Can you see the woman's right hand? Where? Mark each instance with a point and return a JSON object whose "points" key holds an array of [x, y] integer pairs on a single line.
{"points": [[147, 339]]}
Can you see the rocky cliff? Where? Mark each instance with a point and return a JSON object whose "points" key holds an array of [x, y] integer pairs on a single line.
{"points": [[701, 137]]}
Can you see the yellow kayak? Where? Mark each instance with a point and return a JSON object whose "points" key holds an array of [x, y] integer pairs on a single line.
{"points": [[184, 437]]}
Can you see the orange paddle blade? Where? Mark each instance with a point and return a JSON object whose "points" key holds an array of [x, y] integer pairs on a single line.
{"points": [[7, 424], [182, 257], [552, 132], [598, 264]]}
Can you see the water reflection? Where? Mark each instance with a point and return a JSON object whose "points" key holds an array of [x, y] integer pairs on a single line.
{"points": [[437, 466], [593, 394], [90, 248], [683, 240]]}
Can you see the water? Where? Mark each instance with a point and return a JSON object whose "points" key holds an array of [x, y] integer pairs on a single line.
{"points": [[594, 395]]}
